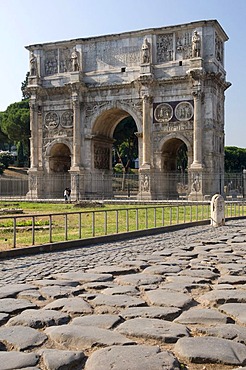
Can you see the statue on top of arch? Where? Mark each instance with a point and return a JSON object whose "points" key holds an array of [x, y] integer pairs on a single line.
{"points": [[145, 52], [75, 60]]}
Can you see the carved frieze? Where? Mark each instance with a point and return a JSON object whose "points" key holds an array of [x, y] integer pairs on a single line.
{"points": [[51, 62], [67, 119], [219, 49], [144, 183], [101, 157], [52, 120], [184, 111], [163, 112], [184, 45], [164, 48], [65, 60]]}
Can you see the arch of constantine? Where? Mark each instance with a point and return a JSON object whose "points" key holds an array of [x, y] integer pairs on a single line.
{"points": [[170, 80]]}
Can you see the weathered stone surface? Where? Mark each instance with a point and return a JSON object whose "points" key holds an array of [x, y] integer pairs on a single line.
{"points": [[162, 297], [70, 305], [10, 290], [84, 337], [138, 357], [112, 269], [50, 282], [21, 337], [39, 318], [83, 277], [211, 350], [3, 318], [105, 321], [236, 310], [164, 313], [202, 316], [13, 305], [121, 289], [55, 291], [138, 279], [162, 269], [219, 297], [117, 300], [201, 273], [227, 331], [17, 360], [55, 359], [162, 330]]}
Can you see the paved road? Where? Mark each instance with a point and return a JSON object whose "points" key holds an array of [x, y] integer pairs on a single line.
{"points": [[170, 301]]}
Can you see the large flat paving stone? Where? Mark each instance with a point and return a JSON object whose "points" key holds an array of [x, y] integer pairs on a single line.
{"points": [[113, 269], [218, 297], [14, 305], [11, 290], [55, 359], [138, 279], [202, 316], [211, 350], [75, 305], [139, 357], [50, 282], [162, 330], [163, 297], [56, 291], [164, 313], [199, 273], [21, 337], [17, 360], [226, 331], [80, 337], [104, 321], [236, 310], [117, 300], [39, 318], [83, 277], [121, 289], [162, 269]]}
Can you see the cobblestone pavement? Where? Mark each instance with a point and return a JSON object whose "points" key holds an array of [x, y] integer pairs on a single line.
{"points": [[171, 301]]}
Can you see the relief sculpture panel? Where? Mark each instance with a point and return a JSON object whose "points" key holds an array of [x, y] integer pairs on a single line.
{"points": [[101, 157], [164, 48]]}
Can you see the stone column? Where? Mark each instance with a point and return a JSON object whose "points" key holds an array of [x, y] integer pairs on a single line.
{"points": [[76, 160], [197, 129], [146, 131], [34, 134]]}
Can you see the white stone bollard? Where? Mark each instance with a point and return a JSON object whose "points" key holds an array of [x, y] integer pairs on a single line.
{"points": [[217, 210]]}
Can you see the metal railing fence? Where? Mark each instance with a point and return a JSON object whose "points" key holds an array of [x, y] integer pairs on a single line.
{"points": [[38, 229]]}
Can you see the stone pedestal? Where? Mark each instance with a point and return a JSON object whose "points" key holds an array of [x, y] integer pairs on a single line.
{"points": [[77, 184], [217, 210]]}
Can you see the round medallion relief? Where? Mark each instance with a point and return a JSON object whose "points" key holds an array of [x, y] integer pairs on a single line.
{"points": [[184, 111], [51, 120], [163, 112], [67, 119]]}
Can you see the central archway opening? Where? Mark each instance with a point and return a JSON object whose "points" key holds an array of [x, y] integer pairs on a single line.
{"points": [[115, 152], [174, 168]]}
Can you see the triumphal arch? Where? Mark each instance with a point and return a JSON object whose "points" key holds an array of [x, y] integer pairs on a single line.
{"points": [[170, 80]]}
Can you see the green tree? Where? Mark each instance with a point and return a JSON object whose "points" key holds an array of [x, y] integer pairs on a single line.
{"points": [[126, 143], [235, 159], [15, 124], [25, 94]]}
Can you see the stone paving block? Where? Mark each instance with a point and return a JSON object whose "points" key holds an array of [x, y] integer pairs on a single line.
{"points": [[104, 321], [202, 316], [113, 269], [83, 277], [3, 318], [80, 337], [138, 279], [162, 269], [17, 360], [10, 290], [39, 318], [226, 331], [21, 337], [121, 289], [14, 305], [55, 292], [50, 282], [211, 350], [163, 297], [162, 330], [75, 305], [164, 313], [117, 300], [124, 358], [201, 273], [219, 297], [236, 310], [54, 359]]}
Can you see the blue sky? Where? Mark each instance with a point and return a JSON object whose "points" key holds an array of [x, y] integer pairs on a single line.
{"points": [[26, 22]]}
